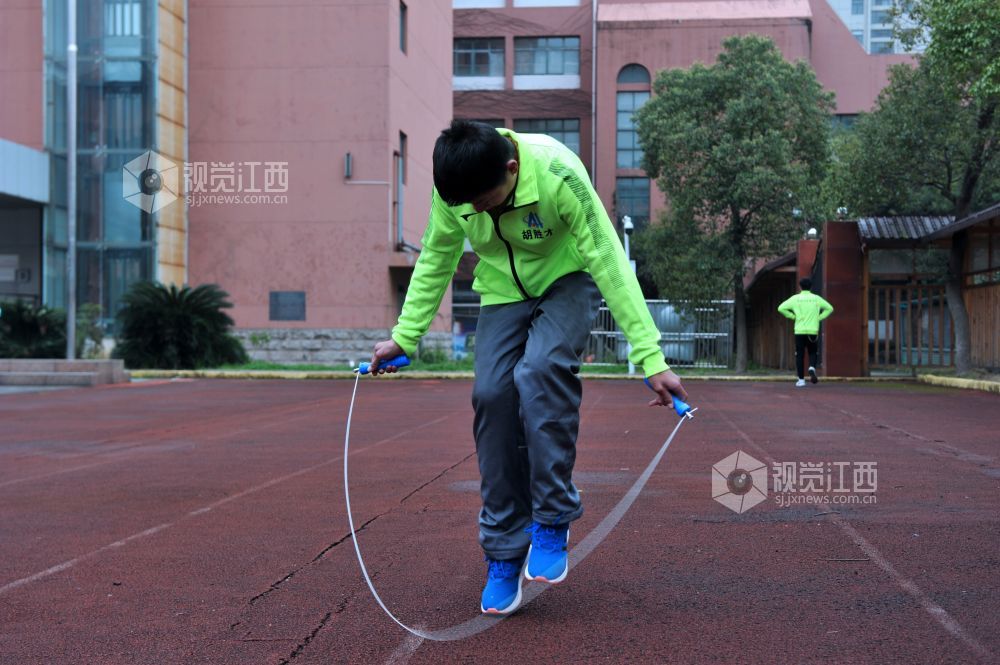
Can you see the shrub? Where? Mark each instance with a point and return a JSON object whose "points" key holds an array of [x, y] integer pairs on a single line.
{"points": [[166, 327], [27, 331]]}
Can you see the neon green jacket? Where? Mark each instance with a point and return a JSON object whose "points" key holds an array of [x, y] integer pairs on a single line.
{"points": [[807, 309], [555, 225]]}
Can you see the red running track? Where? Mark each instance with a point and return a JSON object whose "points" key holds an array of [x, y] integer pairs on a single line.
{"points": [[203, 522]]}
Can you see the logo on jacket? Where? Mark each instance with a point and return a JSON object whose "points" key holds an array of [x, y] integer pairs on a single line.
{"points": [[536, 228]]}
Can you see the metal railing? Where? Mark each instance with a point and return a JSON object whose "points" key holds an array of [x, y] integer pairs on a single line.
{"points": [[702, 339]]}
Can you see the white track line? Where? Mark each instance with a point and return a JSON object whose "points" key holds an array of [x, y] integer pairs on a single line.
{"points": [[937, 612], [10, 586]]}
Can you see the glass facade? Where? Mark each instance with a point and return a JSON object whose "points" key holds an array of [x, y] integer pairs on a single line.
{"points": [[116, 122]]}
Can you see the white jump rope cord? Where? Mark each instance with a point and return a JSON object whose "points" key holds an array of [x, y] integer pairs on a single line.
{"points": [[576, 555]]}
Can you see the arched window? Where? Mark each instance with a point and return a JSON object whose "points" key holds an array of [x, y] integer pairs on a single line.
{"points": [[633, 92], [631, 189], [633, 74]]}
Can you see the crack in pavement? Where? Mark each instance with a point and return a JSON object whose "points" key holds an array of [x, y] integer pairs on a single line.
{"points": [[274, 586], [436, 477], [300, 647]]}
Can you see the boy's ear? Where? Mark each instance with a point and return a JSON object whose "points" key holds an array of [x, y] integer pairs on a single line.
{"points": [[512, 166]]}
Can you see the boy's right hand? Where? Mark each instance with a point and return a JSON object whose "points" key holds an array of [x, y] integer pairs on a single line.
{"points": [[385, 351]]}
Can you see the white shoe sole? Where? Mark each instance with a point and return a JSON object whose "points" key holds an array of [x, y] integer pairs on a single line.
{"points": [[510, 608], [546, 580]]}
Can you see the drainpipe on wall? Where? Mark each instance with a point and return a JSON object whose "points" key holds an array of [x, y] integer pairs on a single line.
{"points": [[593, 96], [348, 169]]}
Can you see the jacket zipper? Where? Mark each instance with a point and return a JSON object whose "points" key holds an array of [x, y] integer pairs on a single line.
{"points": [[510, 250]]}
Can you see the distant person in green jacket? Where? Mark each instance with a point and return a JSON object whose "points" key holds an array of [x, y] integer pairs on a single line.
{"points": [[547, 253], [807, 309]]}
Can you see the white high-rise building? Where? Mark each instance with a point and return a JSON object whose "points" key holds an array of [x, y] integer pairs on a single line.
{"points": [[871, 24]]}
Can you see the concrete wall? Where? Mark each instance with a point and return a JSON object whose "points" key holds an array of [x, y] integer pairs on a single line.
{"points": [[305, 84], [21, 72]]}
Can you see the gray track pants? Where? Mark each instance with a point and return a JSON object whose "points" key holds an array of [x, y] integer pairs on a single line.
{"points": [[527, 411]]}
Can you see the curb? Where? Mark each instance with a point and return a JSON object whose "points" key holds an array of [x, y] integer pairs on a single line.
{"points": [[955, 382], [424, 375]]}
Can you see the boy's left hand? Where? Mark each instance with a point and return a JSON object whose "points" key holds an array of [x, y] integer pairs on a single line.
{"points": [[664, 385]]}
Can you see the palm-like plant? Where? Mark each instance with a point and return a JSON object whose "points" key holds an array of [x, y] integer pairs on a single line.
{"points": [[166, 327]]}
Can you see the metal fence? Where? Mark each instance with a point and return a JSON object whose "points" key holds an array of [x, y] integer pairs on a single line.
{"points": [[702, 339]]}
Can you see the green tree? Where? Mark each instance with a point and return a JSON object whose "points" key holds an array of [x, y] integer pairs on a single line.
{"points": [[736, 147], [964, 38], [932, 142]]}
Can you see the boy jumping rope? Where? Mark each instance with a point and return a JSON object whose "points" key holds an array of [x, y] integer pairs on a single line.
{"points": [[548, 252], [807, 309]]}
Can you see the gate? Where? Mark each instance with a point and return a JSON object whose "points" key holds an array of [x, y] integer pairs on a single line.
{"points": [[909, 326]]}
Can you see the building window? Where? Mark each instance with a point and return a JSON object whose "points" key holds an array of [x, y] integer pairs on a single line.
{"points": [[546, 55], [857, 7], [881, 47], [402, 27], [629, 152], [859, 35], [402, 157], [479, 57], [492, 122], [546, 3], [566, 130], [632, 199], [478, 4], [122, 18], [633, 74], [881, 18], [843, 121]]}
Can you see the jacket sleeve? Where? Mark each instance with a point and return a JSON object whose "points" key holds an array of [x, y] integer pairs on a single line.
{"points": [[602, 252], [825, 309], [443, 243], [787, 308]]}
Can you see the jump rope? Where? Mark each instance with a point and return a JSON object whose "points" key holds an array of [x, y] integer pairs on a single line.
{"points": [[578, 553]]}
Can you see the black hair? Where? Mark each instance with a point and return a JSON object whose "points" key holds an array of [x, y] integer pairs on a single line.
{"points": [[806, 283], [470, 159]]}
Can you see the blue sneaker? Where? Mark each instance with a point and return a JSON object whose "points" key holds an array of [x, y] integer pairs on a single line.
{"points": [[548, 558], [502, 593]]}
